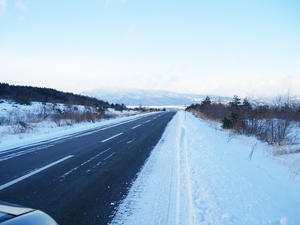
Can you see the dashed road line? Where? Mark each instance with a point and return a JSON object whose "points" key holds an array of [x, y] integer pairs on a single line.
{"points": [[112, 137], [136, 126], [33, 173]]}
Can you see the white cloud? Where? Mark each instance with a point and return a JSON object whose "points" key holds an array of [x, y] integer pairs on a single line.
{"points": [[65, 72], [178, 67], [259, 85], [276, 46], [21, 6], [243, 58], [79, 73], [2, 3], [281, 80], [2, 7]]}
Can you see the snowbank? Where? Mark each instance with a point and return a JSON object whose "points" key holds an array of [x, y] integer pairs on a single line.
{"points": [[44, 129], [197, 175]]}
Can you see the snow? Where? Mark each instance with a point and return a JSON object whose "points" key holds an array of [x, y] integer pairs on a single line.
{"points": [[111, 111], [134, 96], [7, 107], [197, 175], [46, 130]]}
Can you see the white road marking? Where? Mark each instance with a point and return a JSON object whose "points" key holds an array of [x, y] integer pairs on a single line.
{"points": [[130, 141], [136, 126], [62, 177], [109, 156], [112, 137], [33, 173], [15, 154], [59, 139], [147, 121]]}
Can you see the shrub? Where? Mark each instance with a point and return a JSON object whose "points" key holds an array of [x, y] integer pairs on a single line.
{"points": [[227, 124], [269, 123]]}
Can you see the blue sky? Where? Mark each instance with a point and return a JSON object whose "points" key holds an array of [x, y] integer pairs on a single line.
{"points": [[204, 47]]}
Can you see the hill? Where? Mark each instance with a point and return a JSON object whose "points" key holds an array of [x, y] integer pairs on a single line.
{"points": [[27, 94]]}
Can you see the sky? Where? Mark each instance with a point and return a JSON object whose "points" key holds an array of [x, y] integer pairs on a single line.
{"points": [[244, 48]]}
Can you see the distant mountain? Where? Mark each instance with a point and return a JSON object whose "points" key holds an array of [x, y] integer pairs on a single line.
{"points": [[135, 97]]}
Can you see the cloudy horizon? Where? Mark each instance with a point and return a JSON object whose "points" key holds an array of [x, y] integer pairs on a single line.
{"points": [[211, 48]]}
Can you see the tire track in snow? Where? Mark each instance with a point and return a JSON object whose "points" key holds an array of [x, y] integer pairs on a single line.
{"points": [[187, 212], [181, 208], [162, 193], [174, 197]]}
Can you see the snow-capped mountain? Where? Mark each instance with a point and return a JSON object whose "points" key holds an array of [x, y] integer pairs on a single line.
{"points": [[136, 97]]}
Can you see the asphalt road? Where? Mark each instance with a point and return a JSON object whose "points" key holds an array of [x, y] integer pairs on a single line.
{"points": [[81, 178]]}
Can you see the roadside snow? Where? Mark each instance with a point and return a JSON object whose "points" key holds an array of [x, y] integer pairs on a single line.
{"points": [[195, 176], [48, 130], [112, 111], [43, 129]]}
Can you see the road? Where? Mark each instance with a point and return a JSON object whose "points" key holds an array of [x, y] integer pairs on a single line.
{"points": [[81, 178]]}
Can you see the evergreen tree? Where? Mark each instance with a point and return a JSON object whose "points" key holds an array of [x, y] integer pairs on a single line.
{"points": [[227, 124], [247, 105], [206, 102], [235, 117], [235, 107], [246, 109]]}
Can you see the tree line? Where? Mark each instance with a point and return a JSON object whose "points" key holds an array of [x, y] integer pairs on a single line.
{"points": [[272, 123], [27, 94]]}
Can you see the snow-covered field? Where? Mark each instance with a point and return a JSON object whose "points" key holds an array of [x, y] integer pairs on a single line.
{"points": [[40, 130], [48, 132], [197, 175]]}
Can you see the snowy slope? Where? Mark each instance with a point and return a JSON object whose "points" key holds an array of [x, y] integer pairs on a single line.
{"points": [[43, 129], [195, 176], [135, 97]]}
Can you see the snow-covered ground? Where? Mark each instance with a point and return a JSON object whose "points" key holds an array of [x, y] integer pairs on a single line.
{"points": [[41, 130], [46, 132], [198, 175]]}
